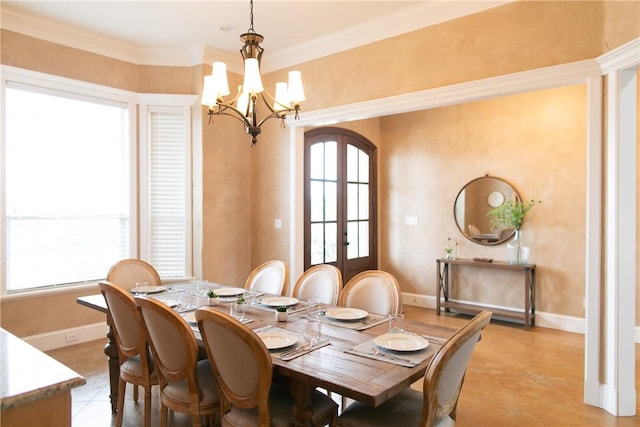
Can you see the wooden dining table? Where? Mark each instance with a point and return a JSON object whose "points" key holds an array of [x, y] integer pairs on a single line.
{"points": [[331, 366]]}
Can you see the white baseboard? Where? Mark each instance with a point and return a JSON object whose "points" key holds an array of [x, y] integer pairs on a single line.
{"points": [[545, 320], [67, 337]]}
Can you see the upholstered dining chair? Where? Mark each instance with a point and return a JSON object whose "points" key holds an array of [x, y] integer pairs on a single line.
{"points": [[186, 384], [272, 277], [242, 365], [136, 365], [125, 273], [375, 291], [322, 282], [437, 403]]}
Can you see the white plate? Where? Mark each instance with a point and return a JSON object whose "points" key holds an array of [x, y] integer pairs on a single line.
{"points": [[274, 340], [228, 292], [401, 342], [149, 289], [279, 301], [345, 313]]}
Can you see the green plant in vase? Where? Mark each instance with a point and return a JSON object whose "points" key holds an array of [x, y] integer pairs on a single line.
{"points": [[511, 215]]}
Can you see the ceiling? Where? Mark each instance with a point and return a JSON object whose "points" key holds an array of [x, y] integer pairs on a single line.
{"points": [[193, 32]]}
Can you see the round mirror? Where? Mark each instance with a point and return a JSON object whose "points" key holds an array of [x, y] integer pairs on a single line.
{"points": [[472, 207]]}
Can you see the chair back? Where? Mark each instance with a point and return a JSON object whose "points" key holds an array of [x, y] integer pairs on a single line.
{"points": [[375, 291], [126, 322], [272, 277], [239, 360], [127, 272], [323, 282], [445, 373], [172, 341]]}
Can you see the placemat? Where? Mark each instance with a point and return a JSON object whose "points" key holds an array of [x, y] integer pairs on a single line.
{"points": [[358, 325], [408, 359], [299, 349]]}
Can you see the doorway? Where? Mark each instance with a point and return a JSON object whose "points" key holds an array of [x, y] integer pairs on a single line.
{"points": [[340, 212]]}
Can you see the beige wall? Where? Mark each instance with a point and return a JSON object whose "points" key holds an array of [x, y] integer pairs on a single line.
{"points": [[245, 189]]}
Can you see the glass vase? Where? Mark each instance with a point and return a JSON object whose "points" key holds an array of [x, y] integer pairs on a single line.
{"points": [[514, 248]]}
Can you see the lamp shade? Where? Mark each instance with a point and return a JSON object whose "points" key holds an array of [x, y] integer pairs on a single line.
{"points": [[281, 101], [296, 91], [208, 92], [219, 74], [252, 80]]}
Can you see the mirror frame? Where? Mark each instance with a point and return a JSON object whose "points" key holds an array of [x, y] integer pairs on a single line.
{"points": [[491, 192]]}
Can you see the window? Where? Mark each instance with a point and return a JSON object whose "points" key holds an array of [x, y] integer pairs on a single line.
{"points": [[72, 179]]}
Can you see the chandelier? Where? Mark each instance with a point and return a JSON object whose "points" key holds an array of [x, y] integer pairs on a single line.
{"points": [[287, 97]]}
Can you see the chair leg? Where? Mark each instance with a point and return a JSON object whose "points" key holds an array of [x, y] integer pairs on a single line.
{"points": [[147, 406], [163, 415], [122, 388], [135, 393]]}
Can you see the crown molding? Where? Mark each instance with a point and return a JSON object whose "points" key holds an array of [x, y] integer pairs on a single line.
{"points": [[543, 78], [403, 21], [625, 56]]}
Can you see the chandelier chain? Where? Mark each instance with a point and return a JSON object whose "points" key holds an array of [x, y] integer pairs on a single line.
{"points": [[251, 30]]}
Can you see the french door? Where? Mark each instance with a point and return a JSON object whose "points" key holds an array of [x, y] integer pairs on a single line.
{"points": [[340, 214]]}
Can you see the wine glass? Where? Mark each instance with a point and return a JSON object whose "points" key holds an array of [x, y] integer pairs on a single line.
{"points": [[313, 308], [141, 288], [312, 331]]}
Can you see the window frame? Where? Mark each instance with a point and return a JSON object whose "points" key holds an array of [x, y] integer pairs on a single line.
{"points": [[138, 110]]}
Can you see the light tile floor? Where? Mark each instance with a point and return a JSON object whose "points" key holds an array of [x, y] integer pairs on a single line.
{"points": [[515, 378]]}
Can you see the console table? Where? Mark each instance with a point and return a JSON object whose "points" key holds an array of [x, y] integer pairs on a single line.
{"points": [[445, 281]]}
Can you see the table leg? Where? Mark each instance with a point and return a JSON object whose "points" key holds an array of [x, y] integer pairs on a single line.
{"points": [[302, 409], [111, 351], [439, 287]]}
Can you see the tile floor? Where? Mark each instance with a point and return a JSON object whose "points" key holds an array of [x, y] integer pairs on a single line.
{"points": [[515, 378]]}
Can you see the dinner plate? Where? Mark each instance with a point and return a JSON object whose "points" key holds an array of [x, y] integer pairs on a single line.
{"points": [[149, 289], [345, 313], [401, 342], [228, 292], [279, 301], [274, 339]]}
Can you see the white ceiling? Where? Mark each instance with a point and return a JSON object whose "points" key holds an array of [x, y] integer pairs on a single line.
{"points": [[192, 32]]}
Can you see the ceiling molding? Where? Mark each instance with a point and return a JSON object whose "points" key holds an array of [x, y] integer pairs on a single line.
{"points": [[403, 21], [625, 56]]}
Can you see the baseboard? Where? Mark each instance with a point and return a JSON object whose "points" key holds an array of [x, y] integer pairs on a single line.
{"points": [[545, 320], [67, 337]]}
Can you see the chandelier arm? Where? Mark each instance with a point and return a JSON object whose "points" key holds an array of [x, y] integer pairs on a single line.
{"points": [[235, 113]]}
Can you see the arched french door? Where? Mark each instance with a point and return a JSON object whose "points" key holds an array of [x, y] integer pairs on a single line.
{"points": [[340, 214]]}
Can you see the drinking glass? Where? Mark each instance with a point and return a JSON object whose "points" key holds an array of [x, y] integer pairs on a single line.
{"points": [[313, 308], [396, 323], [140, 288], [238, 310], [184, 300], [312, 331]]}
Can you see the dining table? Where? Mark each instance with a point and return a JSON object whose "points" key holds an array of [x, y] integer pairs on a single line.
{"points": [[355, 356]]}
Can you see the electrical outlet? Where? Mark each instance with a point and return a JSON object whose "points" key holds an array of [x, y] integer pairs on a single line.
{"points": [[71, 336]]}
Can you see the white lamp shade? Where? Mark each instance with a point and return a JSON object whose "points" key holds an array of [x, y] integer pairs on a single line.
{"points": [[219, 74], [281, 101], [252, 80], [296, 92], [209, 92], [243, 104]]}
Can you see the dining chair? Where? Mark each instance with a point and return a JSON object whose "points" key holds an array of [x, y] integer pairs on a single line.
{"points": [[136, 365], [322, 282], [375, 291], [125, 273], [272, 277], [187, 384], [243, 367], [437, 403]]}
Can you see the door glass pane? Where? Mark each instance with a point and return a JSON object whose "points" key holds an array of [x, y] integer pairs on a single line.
{"points": [[331, 160], [352, 163], [363, 240], [363, 164], [317, 161], [363, 201], [352, 234], [330, 198], [317, 201], [352, 202], [317, 243], [331, 235]]}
